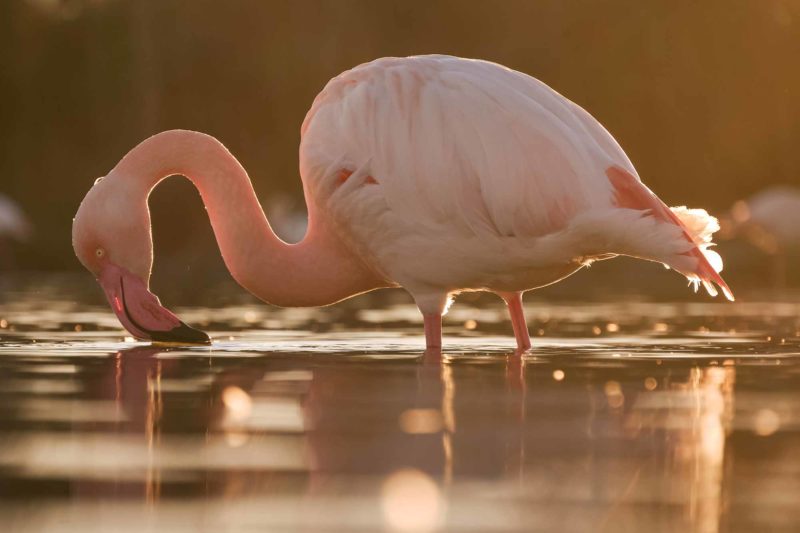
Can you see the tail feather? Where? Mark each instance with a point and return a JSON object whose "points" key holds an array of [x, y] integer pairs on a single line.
{"points": [[696, 224], [700, 226]]}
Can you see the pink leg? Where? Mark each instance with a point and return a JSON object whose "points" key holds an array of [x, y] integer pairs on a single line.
{"points": [[433, 330], [514, 302], [432, 305]]}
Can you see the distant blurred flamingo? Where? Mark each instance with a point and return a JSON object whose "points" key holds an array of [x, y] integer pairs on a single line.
{"points": [[770, 221], [14, 226], [434, 173], [288, 221]]}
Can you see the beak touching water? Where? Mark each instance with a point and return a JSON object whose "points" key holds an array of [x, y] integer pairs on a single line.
{"points": [[140, 311]]}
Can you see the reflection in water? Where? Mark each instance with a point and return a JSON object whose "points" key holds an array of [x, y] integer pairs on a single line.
{"points": [[276, 430], [695, 416]]}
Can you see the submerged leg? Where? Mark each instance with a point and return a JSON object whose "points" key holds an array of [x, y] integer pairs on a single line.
{"points": [[514, 303]]}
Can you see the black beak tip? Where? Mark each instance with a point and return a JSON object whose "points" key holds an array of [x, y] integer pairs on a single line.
{"points": [[182, 334]]}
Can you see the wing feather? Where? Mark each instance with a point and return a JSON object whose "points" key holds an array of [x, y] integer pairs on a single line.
{"points": [[463, 141]]}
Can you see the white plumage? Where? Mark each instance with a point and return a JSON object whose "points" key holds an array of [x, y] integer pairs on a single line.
{"points": [[486, 179]]}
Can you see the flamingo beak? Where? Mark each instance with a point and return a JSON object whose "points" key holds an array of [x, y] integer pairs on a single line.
{"points": [[140, 311]]}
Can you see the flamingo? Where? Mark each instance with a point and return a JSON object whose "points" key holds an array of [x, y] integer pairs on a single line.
{"points": [[436, 174], [770, 221], [14, 227]]}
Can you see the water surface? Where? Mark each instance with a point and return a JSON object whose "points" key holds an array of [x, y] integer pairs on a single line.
{"points": [[624, 417]]}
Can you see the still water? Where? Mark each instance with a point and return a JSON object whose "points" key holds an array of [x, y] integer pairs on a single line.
{"points": [[624, 417]]}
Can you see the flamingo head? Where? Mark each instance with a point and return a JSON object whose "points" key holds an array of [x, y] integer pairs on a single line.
{"points": [[111, 237]]}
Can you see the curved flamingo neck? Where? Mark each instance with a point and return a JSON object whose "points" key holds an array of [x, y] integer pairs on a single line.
{"points": [[319, 270]]}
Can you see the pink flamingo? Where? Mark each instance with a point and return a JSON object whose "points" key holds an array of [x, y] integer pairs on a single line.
{"points": [[433, 173], [14, 227], [770, 221]]}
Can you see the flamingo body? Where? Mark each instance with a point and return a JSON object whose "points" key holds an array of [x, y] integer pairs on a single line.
{"points": [[481, 178], [437, 174]]}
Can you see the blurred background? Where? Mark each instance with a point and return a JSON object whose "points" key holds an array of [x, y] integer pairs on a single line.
{"points": [[702, 96]]}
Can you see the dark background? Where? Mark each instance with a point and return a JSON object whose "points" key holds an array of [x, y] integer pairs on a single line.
{"points": [[703, 96]]}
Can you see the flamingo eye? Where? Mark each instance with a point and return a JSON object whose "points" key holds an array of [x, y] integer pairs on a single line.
{"points": [[99, 253]]}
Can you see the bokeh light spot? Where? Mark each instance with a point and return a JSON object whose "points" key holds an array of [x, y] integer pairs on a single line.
{"points": [[411, 501], [766, 422], [237, 402], [421, 421]]}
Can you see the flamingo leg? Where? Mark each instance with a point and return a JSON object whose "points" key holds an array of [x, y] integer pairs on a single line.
{"points": [[518, 322], [432, 306], [433, 330]]}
